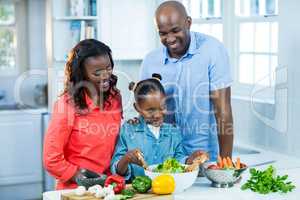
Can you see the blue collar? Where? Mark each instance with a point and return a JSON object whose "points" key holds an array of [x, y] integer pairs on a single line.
{"points": [[191, 50], [142, 127]]}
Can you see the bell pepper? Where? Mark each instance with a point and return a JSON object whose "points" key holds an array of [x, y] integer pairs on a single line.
{"points": [[163, 184], [141, 184], [118, 183], [128, 193]]}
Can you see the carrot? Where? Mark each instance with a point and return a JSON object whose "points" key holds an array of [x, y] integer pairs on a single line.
{"points": [[225, 165], [220, 163], [238, 163], [229, 162]]}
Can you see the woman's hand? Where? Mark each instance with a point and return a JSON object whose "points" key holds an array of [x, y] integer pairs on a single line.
{"points": [[78, 176]]}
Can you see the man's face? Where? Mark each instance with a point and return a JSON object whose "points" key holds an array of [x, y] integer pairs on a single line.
{"points": [[174, 33]]}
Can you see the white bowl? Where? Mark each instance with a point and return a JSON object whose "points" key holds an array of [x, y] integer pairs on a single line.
{"points": [[182, 180]]}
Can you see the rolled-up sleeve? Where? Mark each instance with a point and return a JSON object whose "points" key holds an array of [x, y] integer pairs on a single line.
{"points": [[179, 151], [120, 150], [219, 70], [56, 138]]}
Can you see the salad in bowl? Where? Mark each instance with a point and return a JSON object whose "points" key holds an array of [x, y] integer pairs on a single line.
{"points": [[184, 175]]}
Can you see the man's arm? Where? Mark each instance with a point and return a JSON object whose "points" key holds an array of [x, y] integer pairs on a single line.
{"points": [[222, 106]]}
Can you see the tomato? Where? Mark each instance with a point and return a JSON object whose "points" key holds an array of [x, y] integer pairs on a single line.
{"points": [[213, 167]]}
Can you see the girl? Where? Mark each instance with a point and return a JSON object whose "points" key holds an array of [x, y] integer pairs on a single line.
{"points": [[152, 138], [86, 118]]}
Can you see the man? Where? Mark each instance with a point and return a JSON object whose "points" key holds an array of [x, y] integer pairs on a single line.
{"points": [[196, 75]]}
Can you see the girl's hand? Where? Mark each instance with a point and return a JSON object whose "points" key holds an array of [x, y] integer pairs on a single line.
{"points": [[133, 156], [134, 121]]}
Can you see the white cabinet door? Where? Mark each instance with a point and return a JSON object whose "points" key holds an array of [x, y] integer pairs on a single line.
{"points": [[21, 155], [20, 151], [128, 27]]}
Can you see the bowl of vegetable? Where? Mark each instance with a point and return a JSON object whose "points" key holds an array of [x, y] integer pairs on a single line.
{"points": [[183, 178], [224, 173]]}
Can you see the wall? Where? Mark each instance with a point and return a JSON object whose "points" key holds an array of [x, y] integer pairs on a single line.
{"points": [[290, 44], [127, 71]]}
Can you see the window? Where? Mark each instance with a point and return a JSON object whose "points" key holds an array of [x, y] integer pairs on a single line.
{"points": [[7, 37], [207, 16], [257, 41], [13, 37], [249, 30]]}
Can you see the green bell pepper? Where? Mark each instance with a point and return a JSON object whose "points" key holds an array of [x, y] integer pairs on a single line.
{"points": [[142, 184], [128, 193]]}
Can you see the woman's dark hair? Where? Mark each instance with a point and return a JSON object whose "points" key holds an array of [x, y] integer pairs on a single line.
{"points": [[75, 72], [144, 87]]}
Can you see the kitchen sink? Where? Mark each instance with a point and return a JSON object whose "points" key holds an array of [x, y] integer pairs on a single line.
{"points": [[239, 150]]}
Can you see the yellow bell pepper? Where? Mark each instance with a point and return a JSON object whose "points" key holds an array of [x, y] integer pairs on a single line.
{"points": [[163, 184]]}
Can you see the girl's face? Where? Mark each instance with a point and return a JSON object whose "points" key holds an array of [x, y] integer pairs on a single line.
{"points": [[98, 71], [153, 108]]}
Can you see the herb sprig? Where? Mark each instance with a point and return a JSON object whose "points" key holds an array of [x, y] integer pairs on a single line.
{"points": [[266, 181]]}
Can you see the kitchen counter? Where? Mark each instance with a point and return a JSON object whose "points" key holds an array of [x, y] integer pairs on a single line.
{"points": [[33, 111], [201, 189]]}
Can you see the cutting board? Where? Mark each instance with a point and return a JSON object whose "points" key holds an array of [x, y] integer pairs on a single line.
{"points": [[88, 196], [72, 196]]}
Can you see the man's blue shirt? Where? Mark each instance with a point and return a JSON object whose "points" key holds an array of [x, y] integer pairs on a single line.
{"points": [[188, 82]]}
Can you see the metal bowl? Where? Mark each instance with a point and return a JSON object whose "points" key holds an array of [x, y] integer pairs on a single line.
{"points": [[222, 177]]}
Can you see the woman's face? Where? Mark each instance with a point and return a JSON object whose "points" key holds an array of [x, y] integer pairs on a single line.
{"points": [[153, 108], [98, 71]]}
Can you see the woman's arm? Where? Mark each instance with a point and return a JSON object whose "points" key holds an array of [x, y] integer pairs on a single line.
{"points": [[56, 138]]}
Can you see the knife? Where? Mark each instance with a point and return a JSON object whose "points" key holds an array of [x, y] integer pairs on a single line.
{"points": [[263, 163], [238, 172]]}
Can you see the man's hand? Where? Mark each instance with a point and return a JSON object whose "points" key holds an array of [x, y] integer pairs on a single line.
{"points": [[195, 155]]}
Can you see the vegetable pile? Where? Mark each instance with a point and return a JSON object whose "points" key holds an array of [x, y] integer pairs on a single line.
{"points": [[227, 163], [266, 181], [170, 165]]}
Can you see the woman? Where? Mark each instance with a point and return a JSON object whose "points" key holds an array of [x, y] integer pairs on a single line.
{"points": [[86, 118]]}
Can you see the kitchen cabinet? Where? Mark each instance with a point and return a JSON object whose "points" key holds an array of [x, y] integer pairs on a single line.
{"points": [[66, 24], [128, 27], [20, 153]]}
